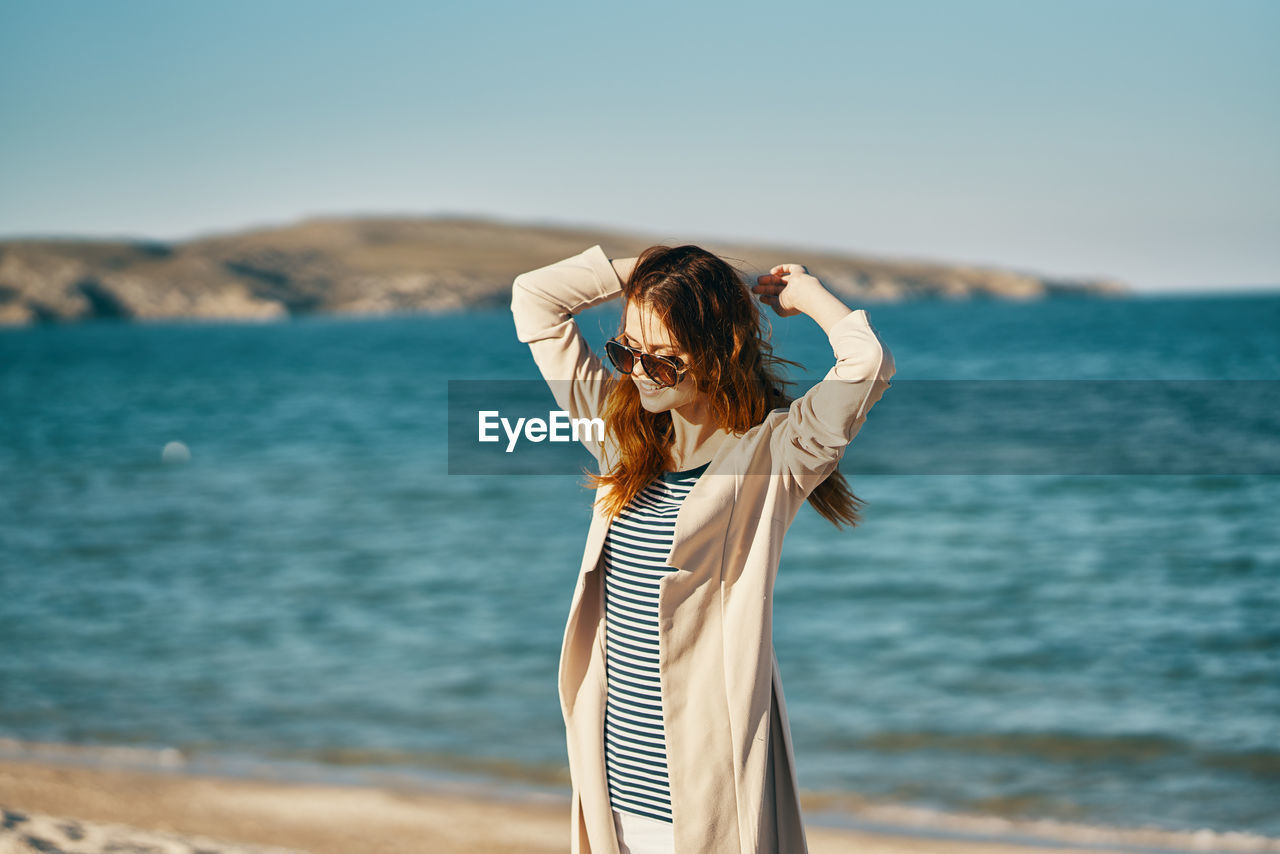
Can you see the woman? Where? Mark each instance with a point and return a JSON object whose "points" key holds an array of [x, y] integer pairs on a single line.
{"points": [[677, 730]]}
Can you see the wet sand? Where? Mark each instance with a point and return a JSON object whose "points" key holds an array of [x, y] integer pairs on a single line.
{"points": [[71, 808]]}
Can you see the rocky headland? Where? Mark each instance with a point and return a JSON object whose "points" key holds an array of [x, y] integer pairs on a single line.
{"points": [[389, 265]]}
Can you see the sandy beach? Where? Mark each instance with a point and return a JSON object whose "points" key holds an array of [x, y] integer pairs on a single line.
{"points": [[52, 806]]}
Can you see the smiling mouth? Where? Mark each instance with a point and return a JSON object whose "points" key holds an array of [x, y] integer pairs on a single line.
{"points": [[646, 388]]}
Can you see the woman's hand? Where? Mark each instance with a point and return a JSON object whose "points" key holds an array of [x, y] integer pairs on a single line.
{"points": [[624, 266], [785, 287], [790, 290]]}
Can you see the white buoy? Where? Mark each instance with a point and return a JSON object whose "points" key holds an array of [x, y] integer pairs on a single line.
{"points": [[175, 452]]}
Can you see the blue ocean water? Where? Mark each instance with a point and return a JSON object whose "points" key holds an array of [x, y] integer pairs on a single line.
{"points": [[312, 584]]}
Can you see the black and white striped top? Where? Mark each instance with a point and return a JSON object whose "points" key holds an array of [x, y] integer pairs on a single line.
{"points": [[635, 559]]}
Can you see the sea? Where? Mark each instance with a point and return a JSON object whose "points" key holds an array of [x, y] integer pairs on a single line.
{"points": [[255, 548]]}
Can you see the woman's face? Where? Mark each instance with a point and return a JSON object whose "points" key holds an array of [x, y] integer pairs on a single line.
{"points": [[644, 331]]}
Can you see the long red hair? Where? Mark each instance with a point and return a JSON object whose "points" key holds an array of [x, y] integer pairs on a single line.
{"points": [[709, 310]]}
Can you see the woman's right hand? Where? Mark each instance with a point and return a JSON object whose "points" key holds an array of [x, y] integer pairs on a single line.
{"points": [[624, 266]]}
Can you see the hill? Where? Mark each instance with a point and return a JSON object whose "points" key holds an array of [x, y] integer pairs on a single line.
{"points": [[386, 265]]}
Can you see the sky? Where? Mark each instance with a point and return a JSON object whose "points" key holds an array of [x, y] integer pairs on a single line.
{"points": [[1133, 139]]}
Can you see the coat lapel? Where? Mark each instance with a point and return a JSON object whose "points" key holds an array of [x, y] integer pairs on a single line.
{"points": [[709, 497]]}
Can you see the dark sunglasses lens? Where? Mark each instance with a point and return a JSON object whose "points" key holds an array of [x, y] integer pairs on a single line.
{"points": [[659, 371], [619, 355]]}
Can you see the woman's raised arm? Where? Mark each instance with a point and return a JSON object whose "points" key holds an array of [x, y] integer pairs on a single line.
{"points": [[543, 304], [808, 445]]}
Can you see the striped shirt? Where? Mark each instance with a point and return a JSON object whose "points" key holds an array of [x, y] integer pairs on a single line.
{"points": [[635, 560]]}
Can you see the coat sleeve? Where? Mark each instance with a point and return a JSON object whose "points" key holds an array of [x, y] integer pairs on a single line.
{"points": [[808, 444], [543, 305]]}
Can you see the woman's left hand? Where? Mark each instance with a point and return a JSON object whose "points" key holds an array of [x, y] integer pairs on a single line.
{"points": [[785, 287], [792, 290]]}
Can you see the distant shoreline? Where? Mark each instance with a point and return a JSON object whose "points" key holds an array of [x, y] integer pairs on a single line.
{"points": [[383, 266]]}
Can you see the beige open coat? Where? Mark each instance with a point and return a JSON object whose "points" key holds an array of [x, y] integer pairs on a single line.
{"points": [[729, 752]]}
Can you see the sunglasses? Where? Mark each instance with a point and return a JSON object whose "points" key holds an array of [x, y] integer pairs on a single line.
{"points": [[665, 371]]}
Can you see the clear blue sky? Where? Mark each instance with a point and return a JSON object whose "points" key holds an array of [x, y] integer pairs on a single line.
{"points": [[1113, 137]]}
